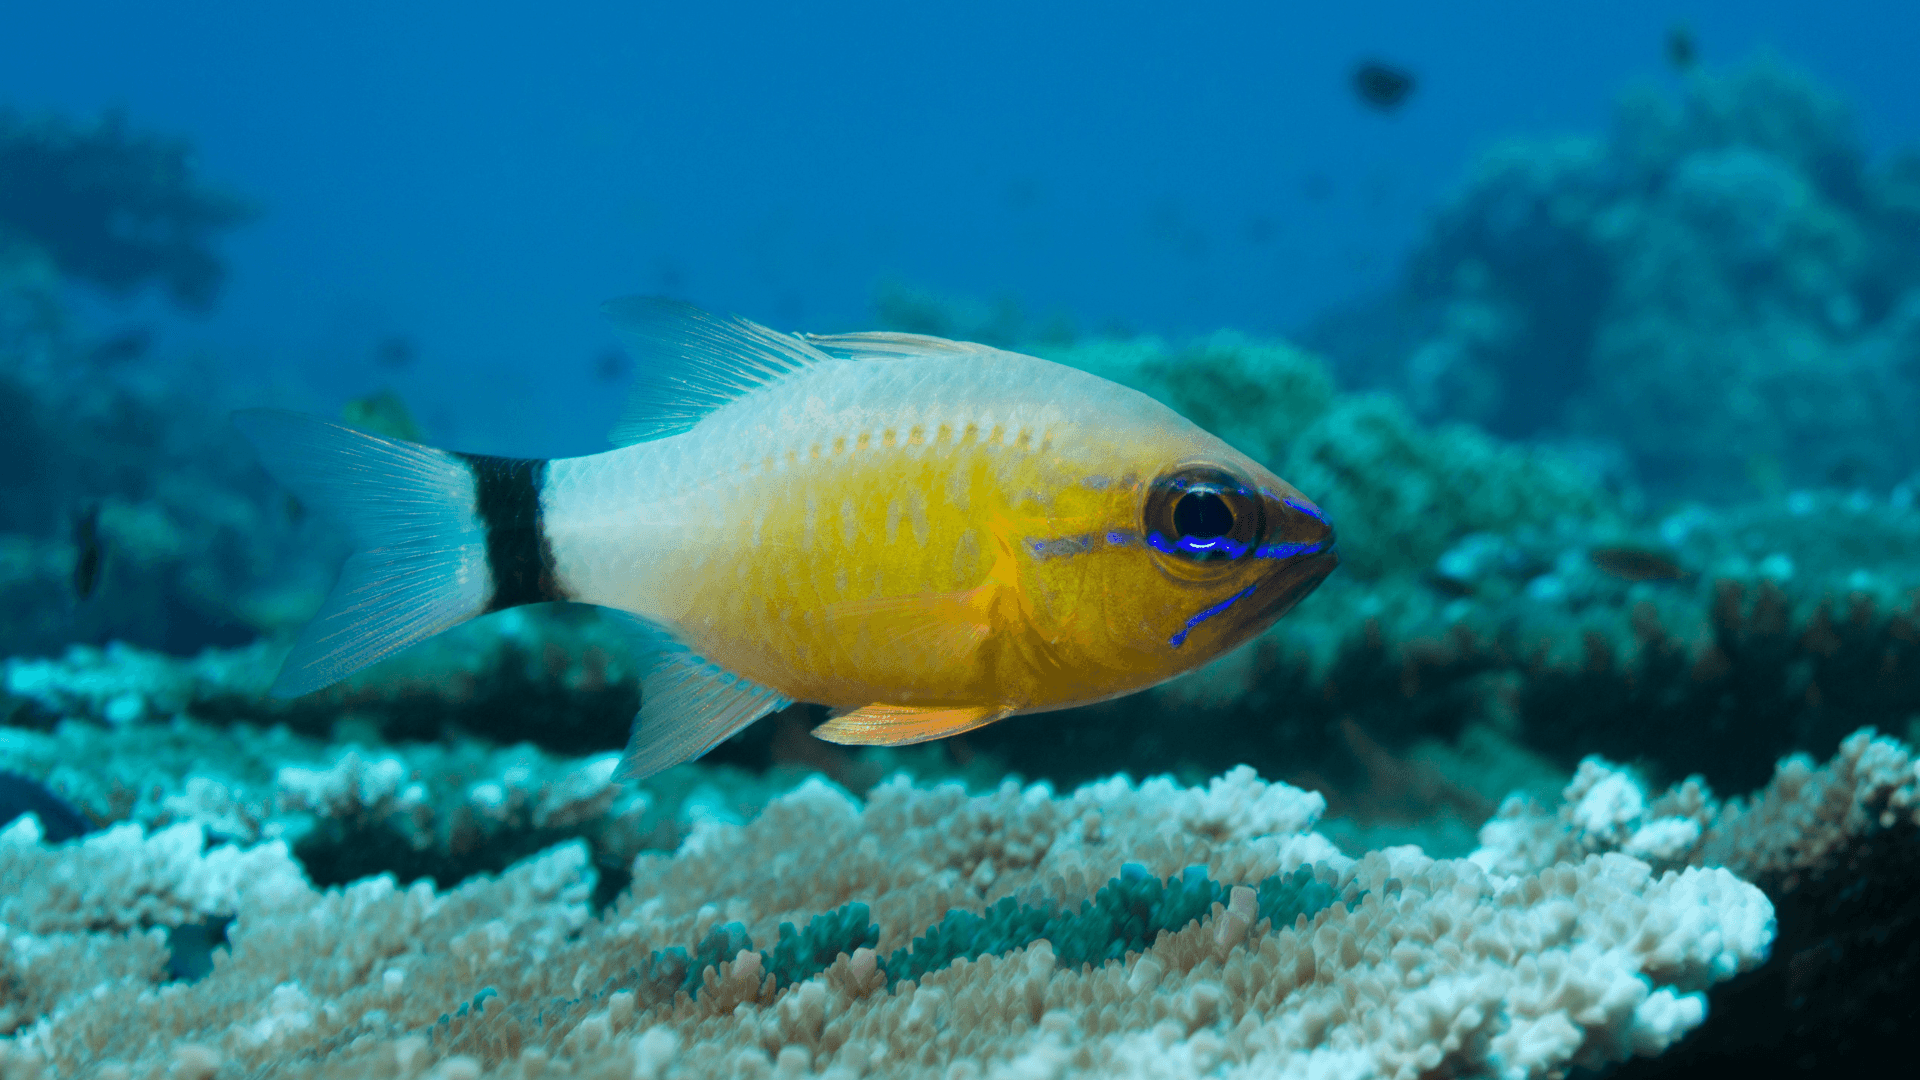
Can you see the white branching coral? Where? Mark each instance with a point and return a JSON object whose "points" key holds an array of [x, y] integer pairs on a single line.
{"points": [[1797, 823], [124, 879], [1436, 968]]}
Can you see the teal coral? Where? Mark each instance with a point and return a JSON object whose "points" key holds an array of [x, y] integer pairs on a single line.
{"points": [[721, 944], [1126, 916], [964, 935], [801, 954], [1402, 494]]}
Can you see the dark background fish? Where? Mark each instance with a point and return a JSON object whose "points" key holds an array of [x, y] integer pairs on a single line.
{"points": [[1636, 564], [1382, 86], [88, 553], [1682, 50]]}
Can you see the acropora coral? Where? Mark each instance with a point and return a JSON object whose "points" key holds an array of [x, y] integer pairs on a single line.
{"points": [[1401, 963]]}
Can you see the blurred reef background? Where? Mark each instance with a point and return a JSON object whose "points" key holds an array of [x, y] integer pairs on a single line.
{"points": [[1721, 286], [1622, 662]]}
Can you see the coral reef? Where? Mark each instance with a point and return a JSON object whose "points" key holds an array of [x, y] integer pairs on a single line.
{"points": [[194, 546], [186, 543], [445, 810], [1721, 284], [1837, 848], [114, 206], [1511, 660], [1434, 966]]}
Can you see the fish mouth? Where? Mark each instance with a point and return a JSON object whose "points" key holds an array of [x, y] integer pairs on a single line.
{"points": [[1304, 540], [1291, 584], [1260, 605]]}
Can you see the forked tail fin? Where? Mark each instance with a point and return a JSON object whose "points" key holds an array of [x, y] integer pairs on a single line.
{"points": [[439, 537]]}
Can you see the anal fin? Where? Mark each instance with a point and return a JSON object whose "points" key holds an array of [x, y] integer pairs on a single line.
{"points": [[903, 725]]}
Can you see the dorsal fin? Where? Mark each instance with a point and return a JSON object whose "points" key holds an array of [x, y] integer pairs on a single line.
{"points": [[687, 363], [887, 345]]}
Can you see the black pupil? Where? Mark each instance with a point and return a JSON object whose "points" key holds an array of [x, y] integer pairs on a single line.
{"points": [[1202, 515]]}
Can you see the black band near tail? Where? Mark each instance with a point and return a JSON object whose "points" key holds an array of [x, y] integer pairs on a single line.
{"points": [[507, 496]]}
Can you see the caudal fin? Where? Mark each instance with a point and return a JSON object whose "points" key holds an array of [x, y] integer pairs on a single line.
{"points": [[422, 541]]}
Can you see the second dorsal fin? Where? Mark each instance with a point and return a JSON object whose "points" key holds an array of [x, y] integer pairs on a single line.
{"points": [[687, 363], [889, 345]]}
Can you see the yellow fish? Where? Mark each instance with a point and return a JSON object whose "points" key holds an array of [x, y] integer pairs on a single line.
{"points": [[927, 535]]}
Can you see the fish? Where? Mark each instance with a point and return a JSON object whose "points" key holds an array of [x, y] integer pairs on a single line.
{"points": [[122, 347], [1636, 564], [396, 352], [383, 413], [59, 819], [1447, 585], [610, 365], [924, 535], [1382, 86], [1681, 49], [88, 551]]}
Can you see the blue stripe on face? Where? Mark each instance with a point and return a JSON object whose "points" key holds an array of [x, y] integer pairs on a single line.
{"points": [[1180, 636], [1197, 545], [1306, 508], [1285, 551]]}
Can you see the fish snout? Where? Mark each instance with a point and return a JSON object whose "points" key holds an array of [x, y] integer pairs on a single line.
{"points": [[1296, 528], [1302, 541]]}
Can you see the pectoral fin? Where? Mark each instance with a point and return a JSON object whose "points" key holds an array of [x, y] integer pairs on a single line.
{"points": [[903, 725], [940, 630]]}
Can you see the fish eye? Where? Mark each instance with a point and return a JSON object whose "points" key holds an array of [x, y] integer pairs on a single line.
{"points": [[1202, 514]]}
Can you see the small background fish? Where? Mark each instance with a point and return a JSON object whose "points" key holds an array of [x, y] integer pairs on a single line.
{"points": [[1636, 564], [383, 413], [88, 552], [1382, 86], [1681, 48]]}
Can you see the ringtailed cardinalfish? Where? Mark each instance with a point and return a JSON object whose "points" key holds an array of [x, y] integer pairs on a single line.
{"points": [[926, 535]]}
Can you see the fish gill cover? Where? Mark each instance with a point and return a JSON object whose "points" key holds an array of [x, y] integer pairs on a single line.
{"points": [[1542, 813]]}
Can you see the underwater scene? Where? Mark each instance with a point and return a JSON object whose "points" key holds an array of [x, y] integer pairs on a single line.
{"points": [[999, 542]]}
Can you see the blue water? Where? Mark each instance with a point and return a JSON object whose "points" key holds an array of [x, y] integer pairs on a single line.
{"points": [[477, 178], [1641, 478]]}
